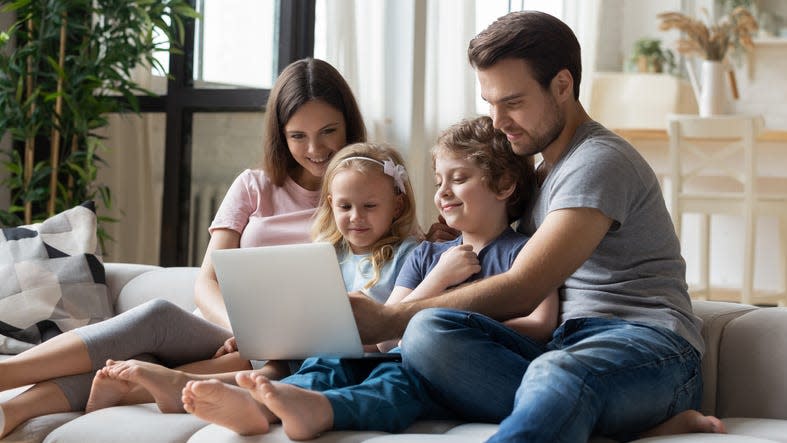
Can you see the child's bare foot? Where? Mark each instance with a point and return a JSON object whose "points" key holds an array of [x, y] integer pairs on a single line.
{"points": [[164, 384], [106, 391], [304, 414], [688, 422], [226, 405]]}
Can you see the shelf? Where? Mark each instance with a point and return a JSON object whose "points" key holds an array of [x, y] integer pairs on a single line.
{"points": [[770, 41]]}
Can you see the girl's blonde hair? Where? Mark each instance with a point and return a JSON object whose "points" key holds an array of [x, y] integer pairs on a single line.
{"points": [[324, 227]]}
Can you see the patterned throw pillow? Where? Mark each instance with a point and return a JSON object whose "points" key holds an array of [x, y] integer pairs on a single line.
{"points": [[51, 279]]}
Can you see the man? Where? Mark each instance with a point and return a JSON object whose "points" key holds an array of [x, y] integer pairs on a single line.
{"points": [[626, 356]]}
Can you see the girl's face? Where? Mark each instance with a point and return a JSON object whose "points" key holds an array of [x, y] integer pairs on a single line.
{"points": [[314, 133], [363, 206], [463, 197]]}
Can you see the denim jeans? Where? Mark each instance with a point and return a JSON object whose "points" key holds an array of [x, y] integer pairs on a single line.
{"points": [[596, 376], [367, 394]]}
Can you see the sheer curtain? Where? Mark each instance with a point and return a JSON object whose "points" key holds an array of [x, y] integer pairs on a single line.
{"points": [[407, 64], [134, 173]]}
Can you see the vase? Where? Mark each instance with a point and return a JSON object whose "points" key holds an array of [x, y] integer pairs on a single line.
{"points": [[710, 90]]}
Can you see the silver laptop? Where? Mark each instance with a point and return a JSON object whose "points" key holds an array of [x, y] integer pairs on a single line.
{"points": [[288, 302]]}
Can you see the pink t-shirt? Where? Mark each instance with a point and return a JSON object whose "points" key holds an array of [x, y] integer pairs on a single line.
{"points": [[265, 214]]}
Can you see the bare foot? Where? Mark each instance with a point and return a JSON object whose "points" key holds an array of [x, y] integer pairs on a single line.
{"points": [[226, 405], [106, 391], [304, 414], [164, 384], [688, 422]]}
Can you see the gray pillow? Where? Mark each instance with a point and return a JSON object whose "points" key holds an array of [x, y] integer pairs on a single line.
{"points": [[51, 279]]}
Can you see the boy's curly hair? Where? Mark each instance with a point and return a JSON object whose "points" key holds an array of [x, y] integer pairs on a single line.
{"points": [[477, 140]]}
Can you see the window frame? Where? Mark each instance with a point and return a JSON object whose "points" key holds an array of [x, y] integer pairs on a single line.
{"points": [[295, 40]]}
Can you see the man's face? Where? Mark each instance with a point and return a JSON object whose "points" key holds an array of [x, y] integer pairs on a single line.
{"points": [[528, 114]]}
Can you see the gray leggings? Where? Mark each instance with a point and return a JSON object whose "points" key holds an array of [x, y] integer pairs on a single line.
{"points": [[156, 331]]}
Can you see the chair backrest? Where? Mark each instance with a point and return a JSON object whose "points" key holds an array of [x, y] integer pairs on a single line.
{"points": [[721, 147]]}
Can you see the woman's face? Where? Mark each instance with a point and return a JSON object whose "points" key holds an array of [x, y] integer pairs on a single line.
{"points": [[313, 134]]}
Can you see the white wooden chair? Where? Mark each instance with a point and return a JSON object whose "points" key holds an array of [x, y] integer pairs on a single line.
{"points": [[722, 148]]}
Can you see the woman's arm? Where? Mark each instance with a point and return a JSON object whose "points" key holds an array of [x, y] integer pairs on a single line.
{"points": [[207, 294]]}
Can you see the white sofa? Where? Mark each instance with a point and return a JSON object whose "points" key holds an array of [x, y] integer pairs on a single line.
{"points": [[745, 372]]}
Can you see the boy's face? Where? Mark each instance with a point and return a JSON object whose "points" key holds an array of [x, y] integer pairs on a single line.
{"points": [[364, 207], [528, 114], [463, 196]]}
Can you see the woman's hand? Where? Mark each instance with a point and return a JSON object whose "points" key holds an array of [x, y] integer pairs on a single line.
{"points": [[440, 231], [229, 347]]}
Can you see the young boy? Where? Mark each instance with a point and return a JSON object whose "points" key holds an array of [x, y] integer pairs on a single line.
{"points": [[482, 186]]}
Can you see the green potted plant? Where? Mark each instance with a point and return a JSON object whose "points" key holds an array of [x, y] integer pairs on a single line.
{"points": [[70, 67], [648, 56]]}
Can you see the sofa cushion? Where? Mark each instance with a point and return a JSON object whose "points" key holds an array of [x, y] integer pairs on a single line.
{"points": [[36, 429], [119, 274], [139, 423], [173, 284], [51, 279], [770, 429], [214, 433]]}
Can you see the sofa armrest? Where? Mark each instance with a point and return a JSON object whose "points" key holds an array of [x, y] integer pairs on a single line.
{"points": [[715, 315], [119, 274], [752, 362], [173, 284]]}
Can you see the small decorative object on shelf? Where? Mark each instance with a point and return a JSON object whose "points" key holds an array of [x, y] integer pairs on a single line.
{"points": [[714, 43]]}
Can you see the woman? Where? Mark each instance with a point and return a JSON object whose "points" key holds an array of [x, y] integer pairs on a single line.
{"points": [[312, 114]]}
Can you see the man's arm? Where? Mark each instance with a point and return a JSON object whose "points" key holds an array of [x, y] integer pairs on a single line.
{"points": [[560, 245], [207, 294]]}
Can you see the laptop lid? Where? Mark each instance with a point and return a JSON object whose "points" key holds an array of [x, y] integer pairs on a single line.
{"points": [[287, 302]]}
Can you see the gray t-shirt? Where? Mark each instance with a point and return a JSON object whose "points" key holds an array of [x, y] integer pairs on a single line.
{"points": [[636, 273]]}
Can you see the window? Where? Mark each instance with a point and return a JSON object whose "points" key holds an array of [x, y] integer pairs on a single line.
{"points": [[229, 61]]}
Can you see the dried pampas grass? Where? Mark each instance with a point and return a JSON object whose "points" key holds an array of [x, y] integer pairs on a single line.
{"points": [[711, 42]]}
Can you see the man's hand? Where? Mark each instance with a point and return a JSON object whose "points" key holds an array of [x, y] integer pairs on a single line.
{"points": [[375, 321], [455, 265], [440, 231], [229, 347]]}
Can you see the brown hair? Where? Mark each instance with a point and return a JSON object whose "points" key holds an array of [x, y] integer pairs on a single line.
{"points": [[324, 226], [478, 141], [544, 42], [300, 82]]}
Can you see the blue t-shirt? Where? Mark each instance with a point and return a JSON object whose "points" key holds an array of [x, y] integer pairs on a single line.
{"points": [[357, 270], [495, 258]]}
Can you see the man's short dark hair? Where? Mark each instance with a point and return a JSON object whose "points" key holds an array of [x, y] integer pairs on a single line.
{"points": [[547, 45]]}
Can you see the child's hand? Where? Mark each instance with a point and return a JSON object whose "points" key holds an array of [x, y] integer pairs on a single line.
{"points": [[456, 265], [229, 347]]}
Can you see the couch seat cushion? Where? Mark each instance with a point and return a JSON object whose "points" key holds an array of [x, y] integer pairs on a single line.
{"points": [[122, 424]]}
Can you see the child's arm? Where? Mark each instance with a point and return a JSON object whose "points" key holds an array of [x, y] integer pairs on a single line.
{"points": [[456, 265], [540, 324]]}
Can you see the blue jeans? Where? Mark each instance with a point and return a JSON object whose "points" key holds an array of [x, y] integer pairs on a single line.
{"points": [[367, 395], [597, 376]]}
